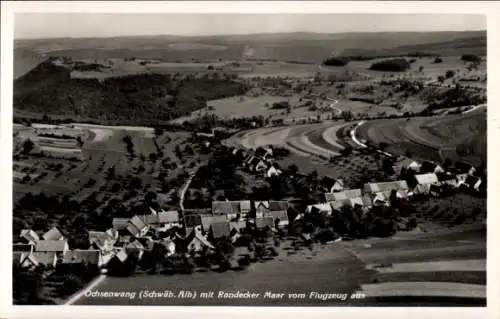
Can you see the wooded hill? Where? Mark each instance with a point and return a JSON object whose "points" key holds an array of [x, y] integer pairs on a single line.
{"points": [[134, 99]]}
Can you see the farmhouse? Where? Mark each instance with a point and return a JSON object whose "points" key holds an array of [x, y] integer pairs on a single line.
{"points": [[405, 165], [262, 208], [279, 216], [103, 241], [207, 220], [198, 242], [163, 220], [231, 209], [137, 227], [325, 208]]}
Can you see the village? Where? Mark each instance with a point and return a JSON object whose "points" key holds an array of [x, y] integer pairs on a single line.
{"points": [[232, 234]]}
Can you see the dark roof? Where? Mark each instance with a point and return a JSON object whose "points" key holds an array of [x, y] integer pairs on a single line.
{"points": [[282, 215], [278, 205], [220, 230]]}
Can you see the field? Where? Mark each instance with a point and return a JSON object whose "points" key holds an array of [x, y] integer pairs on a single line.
{"points": [[104, 150], [453, 136], [337, 268]]}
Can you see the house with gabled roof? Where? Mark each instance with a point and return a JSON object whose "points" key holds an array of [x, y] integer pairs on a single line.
{"points": [[237, 226], [29, 236], [137, 227], [84, 256], [426, 189], [37, 258], [219, 230], [427, 179], [164, 220], [343, 195], [197, 242], [53, 234], [231, 209], [104, 241], [207, 220]]}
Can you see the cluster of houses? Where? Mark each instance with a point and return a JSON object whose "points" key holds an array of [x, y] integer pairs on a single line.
{"points": [[426, 178], [227, 219], [259, 161]]}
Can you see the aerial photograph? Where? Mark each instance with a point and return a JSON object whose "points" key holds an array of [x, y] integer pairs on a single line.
{"points": [[326, 160]]}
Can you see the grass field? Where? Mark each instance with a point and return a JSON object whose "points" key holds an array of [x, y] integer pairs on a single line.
{"points": [[425, 137]]}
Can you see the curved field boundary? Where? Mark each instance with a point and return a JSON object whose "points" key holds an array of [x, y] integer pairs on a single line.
{"points": [[451, 265], [424, 289]]}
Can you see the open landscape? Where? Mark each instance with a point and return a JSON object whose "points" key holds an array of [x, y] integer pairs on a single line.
{"points": [[284, 169]]}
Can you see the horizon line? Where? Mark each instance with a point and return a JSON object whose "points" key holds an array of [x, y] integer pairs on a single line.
{"points": [[243, 34]]}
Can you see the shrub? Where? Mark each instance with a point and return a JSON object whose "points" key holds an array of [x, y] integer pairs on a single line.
{"points": [[438, 60], [336, 62], [471, 58], [392, 65]]}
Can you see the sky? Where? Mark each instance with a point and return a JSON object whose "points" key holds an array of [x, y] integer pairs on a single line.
{"points": [[77, 25]]}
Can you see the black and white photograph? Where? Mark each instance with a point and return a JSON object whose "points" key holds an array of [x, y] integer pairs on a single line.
{"points": [[248, 159]]}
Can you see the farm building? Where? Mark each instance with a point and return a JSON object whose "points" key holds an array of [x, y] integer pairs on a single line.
{"points": [[219, 230], [372, 188], [425, 179], [237, 226], [265, 222], [262, 208], [280, 216], [103, 241], [32, 260], [198, 242], [426, 189], [324, 208], [163, 220], [406, 164], [343, 195], [135, 248], [137, 227], [24, 248], [231, 209]]}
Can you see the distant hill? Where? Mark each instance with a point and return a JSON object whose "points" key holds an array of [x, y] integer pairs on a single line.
{"points": [[300, 46]]}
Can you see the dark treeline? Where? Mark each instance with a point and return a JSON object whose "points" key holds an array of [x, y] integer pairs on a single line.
{"points": [[141, 98]]}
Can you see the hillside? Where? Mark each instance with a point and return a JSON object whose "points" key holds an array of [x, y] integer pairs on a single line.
{"points": [[25, 60], [304, 47], [144, 98]]}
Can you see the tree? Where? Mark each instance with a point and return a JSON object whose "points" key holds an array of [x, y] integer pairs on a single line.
{"points": [[449, 74], [441, 79], [28, 146]]}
